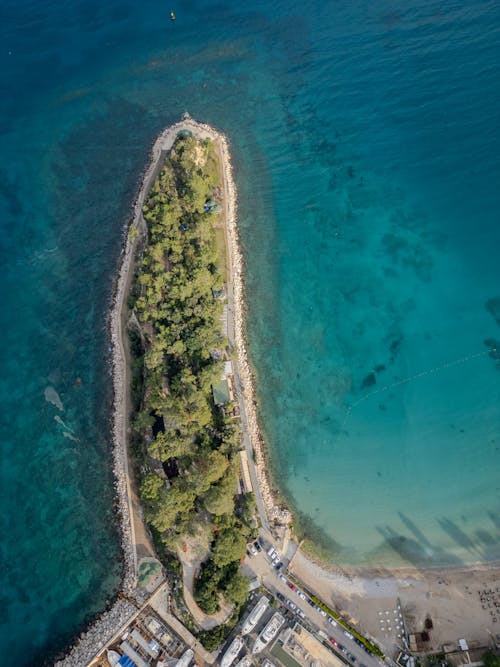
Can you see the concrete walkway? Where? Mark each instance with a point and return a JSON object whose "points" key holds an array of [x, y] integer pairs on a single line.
{"points": [[159, 602], [190, 566], [261, 509]]}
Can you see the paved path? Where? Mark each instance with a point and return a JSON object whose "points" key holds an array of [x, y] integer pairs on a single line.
{"points": [[190, 566], [160, 603], [261, 509]]}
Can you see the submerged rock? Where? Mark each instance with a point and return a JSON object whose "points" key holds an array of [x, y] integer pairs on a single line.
{"points": [[493, 307], [51, 396], [369, 380]]}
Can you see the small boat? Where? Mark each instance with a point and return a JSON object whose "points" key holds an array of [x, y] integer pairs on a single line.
{"points": [[172, 15]]}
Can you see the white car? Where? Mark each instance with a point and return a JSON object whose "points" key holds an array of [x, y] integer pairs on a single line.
{"points": [[321, 611], [332, 622], [291, 604], [301, 595], [282, 577], [271, 551], [348, 634], [300, 613]]}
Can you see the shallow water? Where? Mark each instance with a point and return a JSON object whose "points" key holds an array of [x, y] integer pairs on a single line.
{"points": [[367, 152]]}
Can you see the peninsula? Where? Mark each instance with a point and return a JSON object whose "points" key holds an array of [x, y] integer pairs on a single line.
{"points": [[198, 519], [186, 459]]}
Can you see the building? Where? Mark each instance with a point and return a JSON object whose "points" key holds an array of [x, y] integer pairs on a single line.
{"points": [[268, 633], [255, 615]]}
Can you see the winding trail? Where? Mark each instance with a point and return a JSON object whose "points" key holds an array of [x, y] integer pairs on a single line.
{"points": [[190, 567]]}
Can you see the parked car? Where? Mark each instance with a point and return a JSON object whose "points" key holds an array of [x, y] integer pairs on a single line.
{"points": [[301, 594], [348, 634], [257, 545], [290, 585], [321, 611], [332, 621], [278, 565], [291, 604], [271, 551], [351, 657], [280, 596], [310, 602], [341, 648], [334, 642], [282, 577], [301, 613], [253, 550]]}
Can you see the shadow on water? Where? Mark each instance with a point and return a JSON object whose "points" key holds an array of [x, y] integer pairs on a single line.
{"points": [[495, 518], [420, 552], [458, 535], [413, 528], [415, 552], [486, 538]]}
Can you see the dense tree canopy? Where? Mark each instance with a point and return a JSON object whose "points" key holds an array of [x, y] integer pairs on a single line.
{"points": [[180, 328], [490, 659]]}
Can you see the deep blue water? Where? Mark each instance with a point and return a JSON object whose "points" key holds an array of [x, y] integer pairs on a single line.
{"points": [[367, 154]]}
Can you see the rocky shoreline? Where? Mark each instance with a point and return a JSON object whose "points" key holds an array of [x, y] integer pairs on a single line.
{"points": [[89, 643], [274, 510]]}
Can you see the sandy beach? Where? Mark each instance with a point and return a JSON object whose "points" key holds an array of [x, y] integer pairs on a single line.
{"points": [[456, 599]]}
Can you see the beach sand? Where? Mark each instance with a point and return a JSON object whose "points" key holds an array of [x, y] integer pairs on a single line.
{"points": [[450, 596]]}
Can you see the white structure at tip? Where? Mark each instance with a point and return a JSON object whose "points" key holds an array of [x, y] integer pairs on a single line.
{"points": [[269, 632], [255, 615]]}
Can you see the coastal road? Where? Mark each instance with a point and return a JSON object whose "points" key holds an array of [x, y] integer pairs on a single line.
{"points": [[239, 389], [261, 566]]}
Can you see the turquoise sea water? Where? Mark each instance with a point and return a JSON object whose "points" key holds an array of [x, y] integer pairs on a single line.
{"points": [[366, 148]]}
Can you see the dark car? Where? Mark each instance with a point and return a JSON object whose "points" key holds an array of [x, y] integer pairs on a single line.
{"points": [[351, 657], [341, 648], [280, 596], [257, 545], [310, 602]]}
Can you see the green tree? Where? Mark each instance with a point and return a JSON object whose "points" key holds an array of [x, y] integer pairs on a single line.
{"points": [[491, 660], [236, 589], [229, 547], [151, 486], [212, 639], [219, 498]]}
